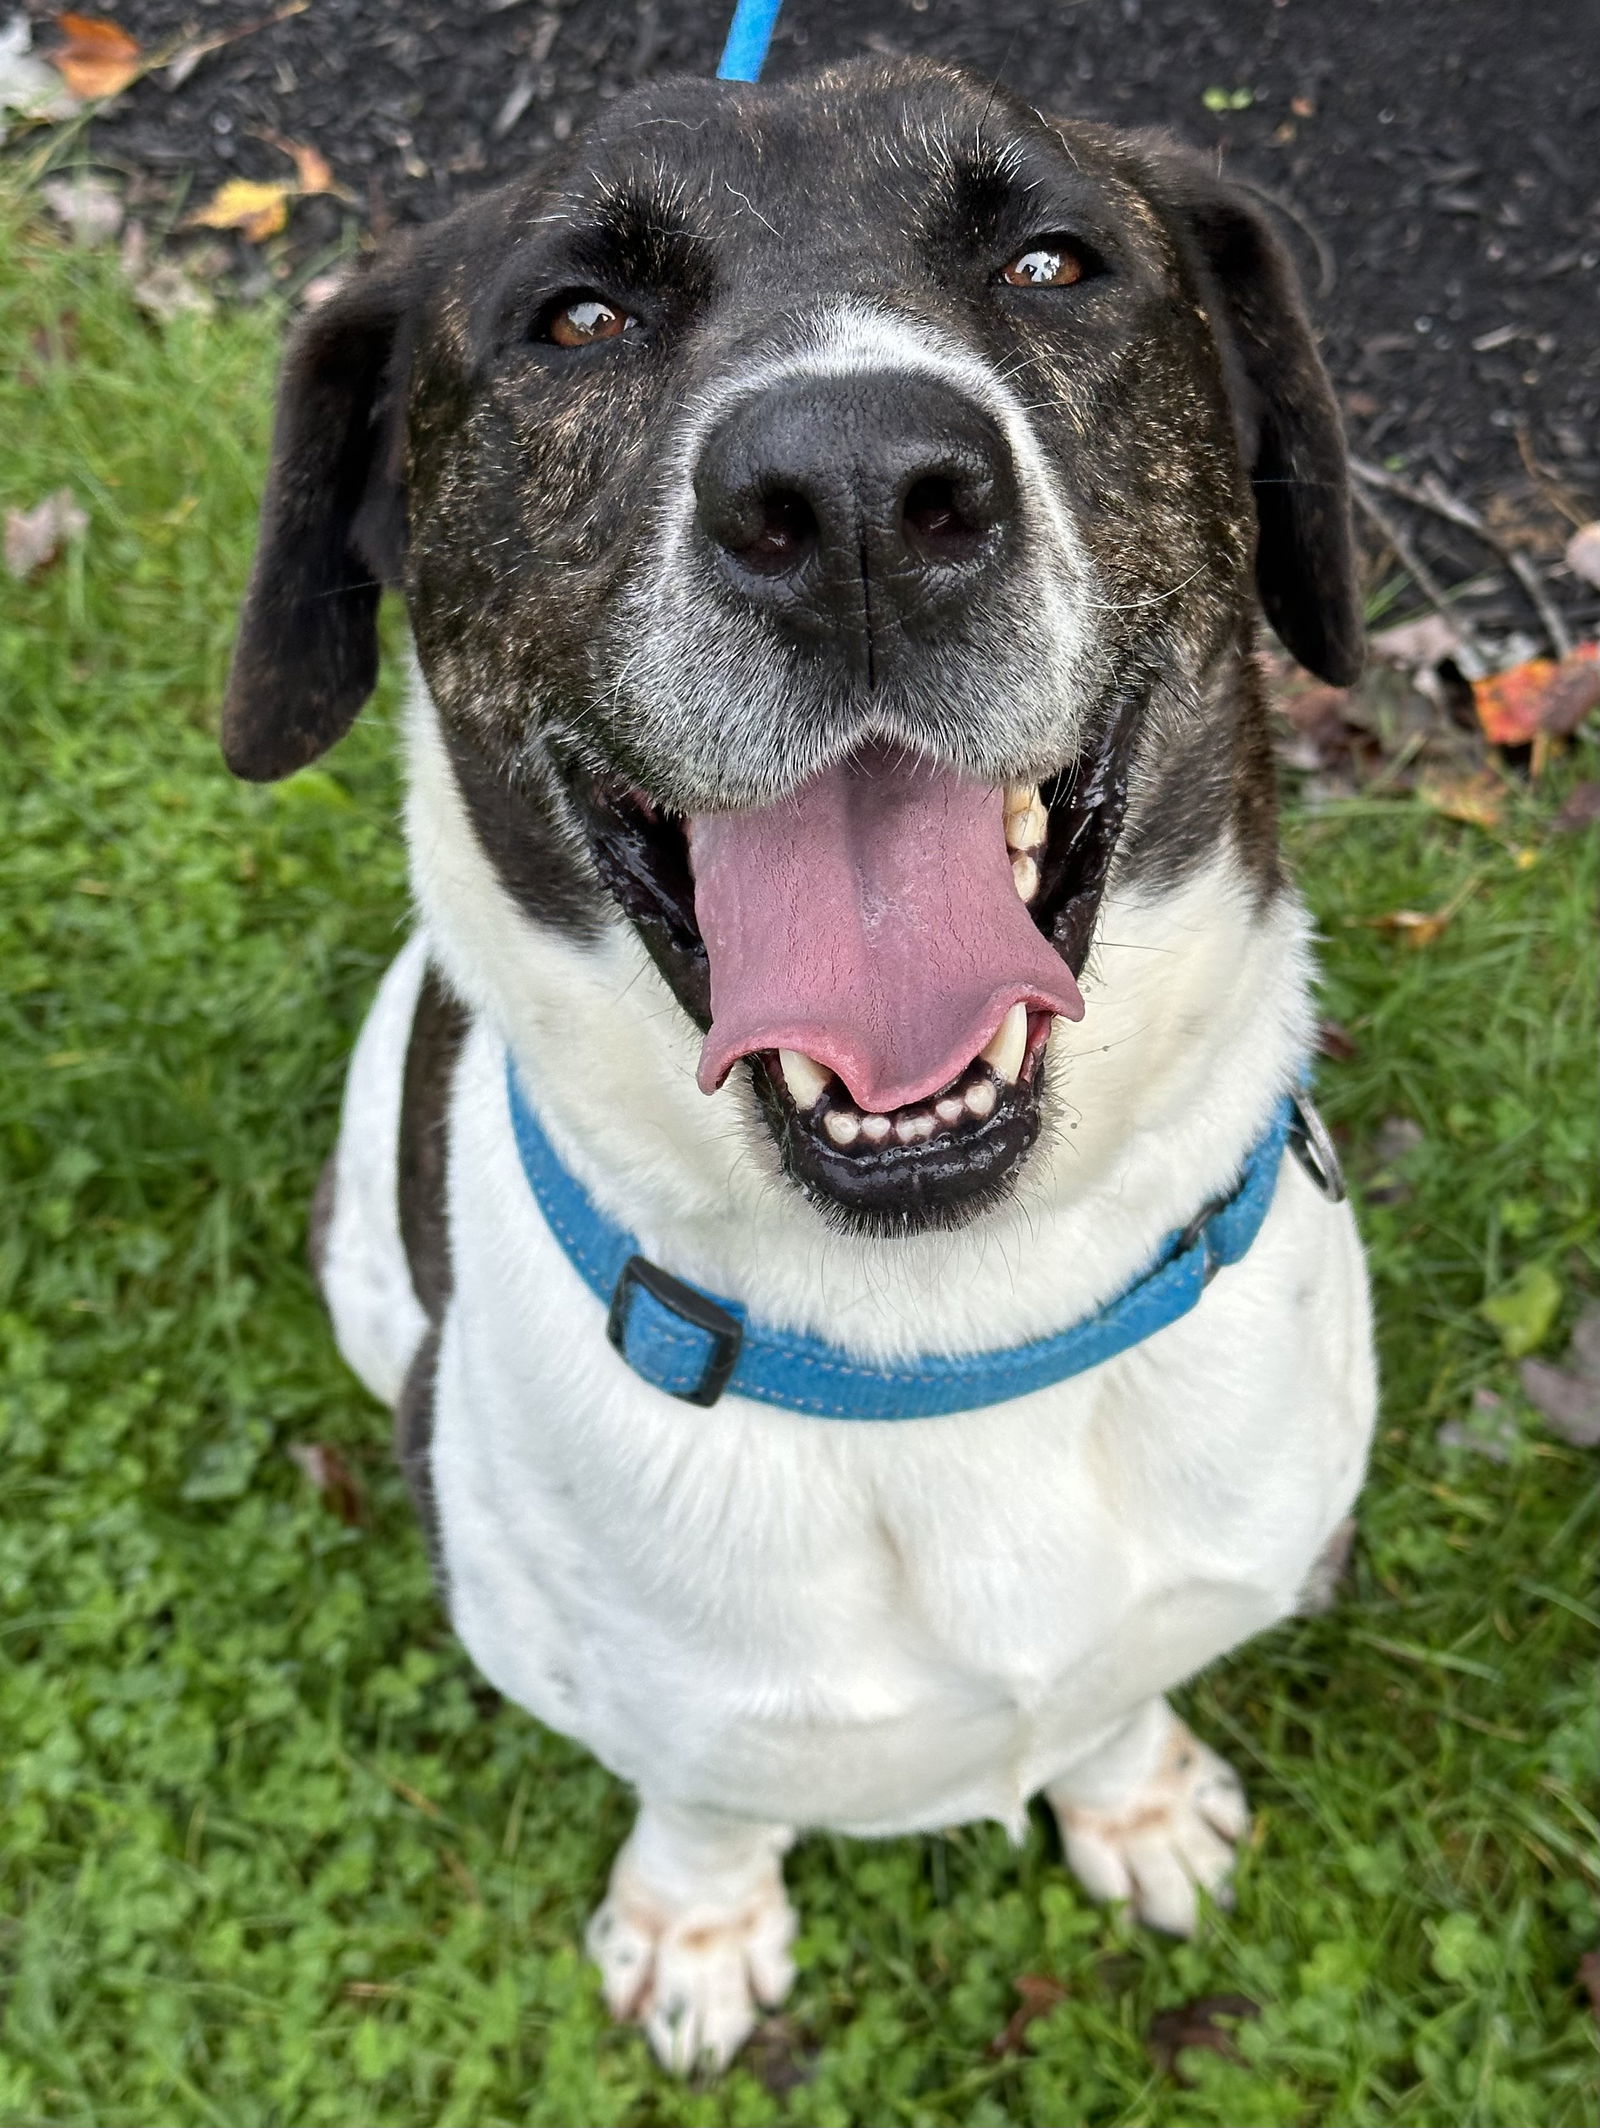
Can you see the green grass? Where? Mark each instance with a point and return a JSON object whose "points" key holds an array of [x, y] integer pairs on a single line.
{"points": [[271, 1854]]}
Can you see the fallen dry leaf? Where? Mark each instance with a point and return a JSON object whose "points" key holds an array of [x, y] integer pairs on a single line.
{"points": [[1539, 696], [1583, 552], [1194, 2024], [1415, 644], [1573, 692], [331, 1475], [1335, 1041], [1490, 1431], [312, 171], [1037, 1995], [86, 205], [256, 210], [1579, 809], [166, 292], [98, 59], [1568, 1395], [1479, 799], [1567, 1401], [1416, 926], [30, 89], [35, 537], [1420, 927]]}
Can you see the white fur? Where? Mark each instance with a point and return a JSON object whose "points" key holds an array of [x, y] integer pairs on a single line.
{"points": [[378, 1321], [768, 1621]]}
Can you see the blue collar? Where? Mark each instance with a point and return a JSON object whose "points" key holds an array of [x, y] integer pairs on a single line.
{"points": [[691, 1345]]}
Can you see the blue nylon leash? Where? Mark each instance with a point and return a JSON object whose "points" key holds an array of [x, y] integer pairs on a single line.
{"points": [[749, 40], [696, 1346]]}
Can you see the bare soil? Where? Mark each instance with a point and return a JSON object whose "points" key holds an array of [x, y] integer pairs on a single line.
{"points": [[1434, 164]]}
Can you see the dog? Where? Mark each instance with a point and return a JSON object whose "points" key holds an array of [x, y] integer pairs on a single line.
{"points": [[851, 942]]}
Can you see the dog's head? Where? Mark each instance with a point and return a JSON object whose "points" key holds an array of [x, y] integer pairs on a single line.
{"points": [[831, 518]]}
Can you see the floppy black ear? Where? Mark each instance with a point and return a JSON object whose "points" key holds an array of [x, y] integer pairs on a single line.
{"points": [[1288, 424], [332, 531]]}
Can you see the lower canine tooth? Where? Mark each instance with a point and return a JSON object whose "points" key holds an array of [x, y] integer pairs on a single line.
{"points": [[806, 1080], [1025, 875], [875, 1129], [1009, 1045], [981, 1097], [842, 1125]]}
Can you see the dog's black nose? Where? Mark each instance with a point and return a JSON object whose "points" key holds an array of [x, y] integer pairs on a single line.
{"points": [[858, 511]]}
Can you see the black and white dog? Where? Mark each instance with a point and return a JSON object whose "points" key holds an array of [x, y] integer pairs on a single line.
{"points": [[831, 518]]}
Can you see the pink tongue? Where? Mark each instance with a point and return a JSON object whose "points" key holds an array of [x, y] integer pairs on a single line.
{"points": [[869, 920]]}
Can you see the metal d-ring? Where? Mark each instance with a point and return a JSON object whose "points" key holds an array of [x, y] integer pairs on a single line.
{"points": [[1312, 1146]]}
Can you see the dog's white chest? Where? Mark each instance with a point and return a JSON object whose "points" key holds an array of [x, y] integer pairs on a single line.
{"points": [[870, 1626]]}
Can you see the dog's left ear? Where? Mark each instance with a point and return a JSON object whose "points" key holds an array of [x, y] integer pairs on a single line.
{"points": [[333, 529], [1288, 424]]}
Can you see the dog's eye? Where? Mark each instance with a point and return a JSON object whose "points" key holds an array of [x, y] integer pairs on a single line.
{"points": [[585, 320], [1052, 264]]}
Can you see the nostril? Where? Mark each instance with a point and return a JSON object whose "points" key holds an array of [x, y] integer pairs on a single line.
{"points": [[785, 534], [936, 526]]}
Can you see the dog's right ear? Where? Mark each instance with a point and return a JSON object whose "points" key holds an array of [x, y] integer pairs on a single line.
{"points": [[333, 529]]}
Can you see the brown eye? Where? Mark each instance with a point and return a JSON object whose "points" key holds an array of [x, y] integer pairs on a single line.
{"points": [[582, 323], [1045, 266]]}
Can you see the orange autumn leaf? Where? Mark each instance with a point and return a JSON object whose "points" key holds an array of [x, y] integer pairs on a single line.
{"points": [[98, 58], [257, 211], [1508, 703], [1539, 696], [313, 173], [312, 169]]}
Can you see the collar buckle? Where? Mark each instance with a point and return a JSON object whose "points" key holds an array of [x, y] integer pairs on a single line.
{"points": [[672, 1334]]}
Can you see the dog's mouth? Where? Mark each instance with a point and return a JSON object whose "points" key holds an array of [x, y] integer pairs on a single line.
{"points": [[887, 949]]}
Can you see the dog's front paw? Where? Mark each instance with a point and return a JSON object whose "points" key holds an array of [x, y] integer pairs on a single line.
{"points": [[692, 1975], [1172, 1838]]}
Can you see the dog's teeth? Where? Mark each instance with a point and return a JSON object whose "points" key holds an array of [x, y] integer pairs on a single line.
{"points": [[842, 1125], [1008, 1045], [807, 1081], [875, 1129], [981, 1097], [910, 1130], [950, 1108], [1027, 822], [1025, 875]]}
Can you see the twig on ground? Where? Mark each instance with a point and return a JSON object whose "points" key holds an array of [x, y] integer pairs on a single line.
{"points": [[180, 59], [1433, 495], [1545, 480], [1471, 651]]}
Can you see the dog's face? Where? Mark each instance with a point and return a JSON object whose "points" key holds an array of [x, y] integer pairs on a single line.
{"points": [[831, 519]]}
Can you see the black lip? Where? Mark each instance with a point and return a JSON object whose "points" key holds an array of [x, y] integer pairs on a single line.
{"points": [[643, 860], [893, 1189]]}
